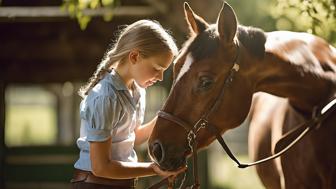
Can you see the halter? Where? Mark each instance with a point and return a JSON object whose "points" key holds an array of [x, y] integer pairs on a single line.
{"points": [[203, 122]]}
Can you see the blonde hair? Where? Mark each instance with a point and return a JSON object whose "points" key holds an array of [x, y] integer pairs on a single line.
{"points": [[145, 35]]}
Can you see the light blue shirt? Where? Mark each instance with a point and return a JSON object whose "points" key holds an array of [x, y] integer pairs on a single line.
{"points": [[110, 110]]}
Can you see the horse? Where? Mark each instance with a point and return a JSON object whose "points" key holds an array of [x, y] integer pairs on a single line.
{"points": [[226, 73]]}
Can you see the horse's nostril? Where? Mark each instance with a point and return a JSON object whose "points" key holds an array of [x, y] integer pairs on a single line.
{"points": [[158, 152]]}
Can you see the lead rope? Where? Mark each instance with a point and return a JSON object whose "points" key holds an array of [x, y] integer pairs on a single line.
{"points": [[314, 122], [195, 166], [170, 183], [159, 184], [184, 181]]}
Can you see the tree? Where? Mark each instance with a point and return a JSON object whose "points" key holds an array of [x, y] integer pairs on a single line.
{"points": [[77, 8], [313, 16]]}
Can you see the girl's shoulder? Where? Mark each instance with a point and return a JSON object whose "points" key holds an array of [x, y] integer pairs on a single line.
{"points": [[95, 99], [103, 88], [102, 91]]}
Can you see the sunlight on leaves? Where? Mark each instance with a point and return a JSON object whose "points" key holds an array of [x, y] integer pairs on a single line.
{"points": [[76, 9], [107, 2], [94, 4], [108, 16], [313, 16]]}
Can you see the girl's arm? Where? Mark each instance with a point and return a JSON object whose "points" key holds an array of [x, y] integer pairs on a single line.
{"points": [[143, 132], [103, 166]]}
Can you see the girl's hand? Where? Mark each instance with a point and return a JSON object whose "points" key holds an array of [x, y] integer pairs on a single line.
{"points": [[162, 173]]}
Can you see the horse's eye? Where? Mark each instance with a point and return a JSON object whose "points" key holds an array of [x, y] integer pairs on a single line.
{"points": [[205, 83]]}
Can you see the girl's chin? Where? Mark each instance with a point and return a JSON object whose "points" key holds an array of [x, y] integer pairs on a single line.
{"points": [[147, 84]]}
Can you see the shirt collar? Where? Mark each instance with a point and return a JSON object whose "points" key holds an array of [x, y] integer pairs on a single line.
{"points": [[114, 78]]}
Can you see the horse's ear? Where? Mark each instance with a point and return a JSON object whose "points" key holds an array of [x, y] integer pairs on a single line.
{"points": [[227, 24], [195, 22]]}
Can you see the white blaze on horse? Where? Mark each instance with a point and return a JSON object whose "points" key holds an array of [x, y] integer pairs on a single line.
{"points": [[216, 74]]}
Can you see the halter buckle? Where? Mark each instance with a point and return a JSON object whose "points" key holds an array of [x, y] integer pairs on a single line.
{"points": [[236, 67], [202, 123], [191, 139]]}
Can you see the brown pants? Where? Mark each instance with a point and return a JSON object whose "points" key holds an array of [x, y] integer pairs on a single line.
{"points": [[86, 180]]}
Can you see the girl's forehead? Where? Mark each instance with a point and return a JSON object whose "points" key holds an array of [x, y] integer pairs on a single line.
{"points": [[161, 60], [165, 59]]}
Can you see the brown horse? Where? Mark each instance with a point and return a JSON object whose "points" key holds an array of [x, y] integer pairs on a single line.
{"points": [[297, 68]]}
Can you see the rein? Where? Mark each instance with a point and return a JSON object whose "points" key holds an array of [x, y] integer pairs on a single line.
{"points": [[313, 123], [203, 123]]}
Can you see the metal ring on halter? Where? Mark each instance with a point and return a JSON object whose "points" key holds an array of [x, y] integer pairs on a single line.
{"points": [[191, 139]]}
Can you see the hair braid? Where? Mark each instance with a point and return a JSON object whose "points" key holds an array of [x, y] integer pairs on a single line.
{"points": [[102, 69]]}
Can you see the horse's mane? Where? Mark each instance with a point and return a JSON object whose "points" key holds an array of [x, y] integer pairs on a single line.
{"points": [[205, 44], [253, 39]]}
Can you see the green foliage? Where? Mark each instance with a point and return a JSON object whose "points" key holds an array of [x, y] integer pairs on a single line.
{"points": [[313, 16], [77, 9], [254, 13]]}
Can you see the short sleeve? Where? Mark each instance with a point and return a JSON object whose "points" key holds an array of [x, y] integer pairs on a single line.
{"points": [[103, 115]]}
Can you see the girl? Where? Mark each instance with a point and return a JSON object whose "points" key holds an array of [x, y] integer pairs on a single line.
{"points": [[112, 109]]}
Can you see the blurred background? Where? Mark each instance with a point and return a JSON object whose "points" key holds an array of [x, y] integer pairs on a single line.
{"points": [[48, 49]]}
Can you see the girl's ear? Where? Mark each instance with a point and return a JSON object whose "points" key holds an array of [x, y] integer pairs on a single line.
{"points": [[196, 23], [134, 56]]}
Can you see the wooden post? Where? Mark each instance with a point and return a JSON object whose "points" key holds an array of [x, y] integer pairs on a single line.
{"points": [[2, 134]]}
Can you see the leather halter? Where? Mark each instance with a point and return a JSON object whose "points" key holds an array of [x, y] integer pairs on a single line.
{"points": [[202, 122], [314, 122]]}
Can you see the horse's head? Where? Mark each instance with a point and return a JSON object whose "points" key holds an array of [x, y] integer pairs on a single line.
{"points": [[201, 72]]}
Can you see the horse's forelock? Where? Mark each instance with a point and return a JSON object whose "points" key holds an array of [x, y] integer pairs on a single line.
{"points": [[205, 44], [198, 47]]}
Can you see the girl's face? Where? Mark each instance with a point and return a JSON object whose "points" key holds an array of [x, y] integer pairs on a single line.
{"points": [[149, 70]]}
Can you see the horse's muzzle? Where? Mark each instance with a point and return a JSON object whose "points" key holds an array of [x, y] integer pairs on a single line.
{"points": [[167, 158]]}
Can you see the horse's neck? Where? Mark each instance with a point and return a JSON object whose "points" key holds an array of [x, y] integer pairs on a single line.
{"points": [[305, 87]]}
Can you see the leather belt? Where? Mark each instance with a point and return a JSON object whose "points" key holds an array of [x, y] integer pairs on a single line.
{"points": [[88, 177]]}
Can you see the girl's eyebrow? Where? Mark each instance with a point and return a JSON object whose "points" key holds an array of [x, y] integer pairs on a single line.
{"points": [[162, 67]]}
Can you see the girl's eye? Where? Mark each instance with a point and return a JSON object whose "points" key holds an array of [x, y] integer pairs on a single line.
{"points": [[157, 69]]}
